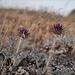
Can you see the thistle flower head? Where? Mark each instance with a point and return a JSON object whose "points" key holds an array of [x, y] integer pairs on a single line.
{"points": [[23, 32], [58, 29]]}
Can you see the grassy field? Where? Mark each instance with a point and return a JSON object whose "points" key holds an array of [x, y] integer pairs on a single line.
{"points": [[40, 20], [39, 24]]}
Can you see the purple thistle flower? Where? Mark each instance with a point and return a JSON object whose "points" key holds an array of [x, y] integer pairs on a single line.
{"points": [[23, 32], [58, 29]]}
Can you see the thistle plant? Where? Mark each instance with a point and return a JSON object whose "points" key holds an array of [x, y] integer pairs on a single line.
{"points": [[56, 29], [23, 33]]}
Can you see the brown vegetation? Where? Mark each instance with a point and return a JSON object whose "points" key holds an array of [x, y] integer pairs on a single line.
{"points": [[38, 21]]}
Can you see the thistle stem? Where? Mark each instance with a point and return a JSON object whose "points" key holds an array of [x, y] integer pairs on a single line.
{"points": [[51, 53], [18, 46]]}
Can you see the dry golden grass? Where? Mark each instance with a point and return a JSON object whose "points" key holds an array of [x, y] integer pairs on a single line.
{"points": [[38, 23]]}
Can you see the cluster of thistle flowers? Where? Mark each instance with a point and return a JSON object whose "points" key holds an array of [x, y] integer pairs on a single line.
{"points": [[57, 29], [24, 33]]}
